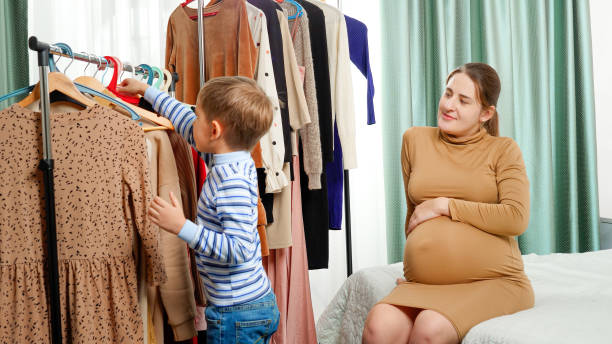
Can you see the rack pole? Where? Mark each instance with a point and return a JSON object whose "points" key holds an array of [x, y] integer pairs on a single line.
{"points": [[46, 165], [201, 42], [347, 211], [96, 60]]}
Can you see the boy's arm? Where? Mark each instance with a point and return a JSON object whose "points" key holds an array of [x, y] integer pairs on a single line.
{"points": [[178, 113], [181, 115], [238, 241]]}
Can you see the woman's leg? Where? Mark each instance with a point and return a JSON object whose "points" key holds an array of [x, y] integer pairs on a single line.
{"points": [[388, 324], [432, 327]]}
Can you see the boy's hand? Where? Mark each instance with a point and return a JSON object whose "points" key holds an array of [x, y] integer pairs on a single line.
{"points": [[132, 87], [167, 216]]}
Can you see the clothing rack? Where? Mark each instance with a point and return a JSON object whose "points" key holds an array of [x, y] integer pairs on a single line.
{"points": [[46, 166], [98, 60], [347, 211], [201, 42]]}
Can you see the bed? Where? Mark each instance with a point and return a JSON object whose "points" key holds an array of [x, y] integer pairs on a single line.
{"points": [[573, 303]]}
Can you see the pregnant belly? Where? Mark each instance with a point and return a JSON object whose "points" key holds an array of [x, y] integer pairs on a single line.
{"points": [[442, 251]]}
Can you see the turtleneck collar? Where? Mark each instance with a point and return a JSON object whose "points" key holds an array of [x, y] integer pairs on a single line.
{"points": [[466, 140]]}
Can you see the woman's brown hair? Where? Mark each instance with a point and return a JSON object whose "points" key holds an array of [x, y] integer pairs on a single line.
{"points": [[487, 89]]}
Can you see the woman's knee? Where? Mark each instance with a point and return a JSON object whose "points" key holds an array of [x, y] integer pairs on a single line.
{"points": [[387, 324], [433, 328]]}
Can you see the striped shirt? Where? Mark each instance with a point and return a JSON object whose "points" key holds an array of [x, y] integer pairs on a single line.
{"points": [[225, 238]]}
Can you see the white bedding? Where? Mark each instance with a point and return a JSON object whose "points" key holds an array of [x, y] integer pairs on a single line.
{"points": [[573, 303]]}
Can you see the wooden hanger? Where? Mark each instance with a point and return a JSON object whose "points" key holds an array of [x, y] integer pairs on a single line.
{"points": [[93, 83], [58, 82]]}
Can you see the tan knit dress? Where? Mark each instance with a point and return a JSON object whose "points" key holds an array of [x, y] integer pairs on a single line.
{"points": [[468, 266]]}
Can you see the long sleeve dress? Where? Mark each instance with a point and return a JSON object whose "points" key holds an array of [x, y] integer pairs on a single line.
{"points": [[102, 191], [468, 266]]}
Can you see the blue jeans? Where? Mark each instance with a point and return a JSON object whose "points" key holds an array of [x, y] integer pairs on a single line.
{"points": [[251, 322]]}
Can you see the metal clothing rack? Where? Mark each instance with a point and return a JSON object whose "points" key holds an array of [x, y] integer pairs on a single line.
{"points": [[98, 60], [201, 42], [347, 211], [46, 165]]}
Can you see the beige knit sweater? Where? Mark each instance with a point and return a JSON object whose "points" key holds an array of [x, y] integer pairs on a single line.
{"points": [[310, 134]]}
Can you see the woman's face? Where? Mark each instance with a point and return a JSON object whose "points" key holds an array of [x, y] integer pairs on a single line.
{"points": [[459, 112]]}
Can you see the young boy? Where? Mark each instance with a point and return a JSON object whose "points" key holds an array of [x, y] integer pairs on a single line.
{"points": [[231, 115]]}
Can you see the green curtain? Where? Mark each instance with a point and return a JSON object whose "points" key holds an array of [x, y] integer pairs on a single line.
{"points": [[542, 52], [13, 47]]}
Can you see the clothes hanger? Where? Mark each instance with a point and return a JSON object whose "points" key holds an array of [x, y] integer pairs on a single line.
{"points": [[186, 3], [59, 82], [56, 96], [149, 73], [209, 14], [99, 97], [81, 88], [111, 101], [160, 79], [298, 7], [127, 65], [112, 86], [110, 95], [168, 80], [106, 66], [100, 59]]}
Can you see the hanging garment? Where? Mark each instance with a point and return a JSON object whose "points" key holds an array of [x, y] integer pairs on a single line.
{"points": [[288, 272], [278, 65], [175, 298], [360, 56], [189, 191], [279, 232], [102, 190], [310, 134], [341, 81], [315, 212], [315, 207], [358, 45], [182, 54], [320, 60], [272, 144], [329, 137], [335, 184], [200, 169], [298, 107], [189, 199]]}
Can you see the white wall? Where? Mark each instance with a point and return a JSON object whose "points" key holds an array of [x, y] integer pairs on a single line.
{"points": [[368, 226], [602, 75]]}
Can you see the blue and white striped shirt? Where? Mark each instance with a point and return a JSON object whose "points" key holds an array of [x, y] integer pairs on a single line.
{"points": [[225, 239]]}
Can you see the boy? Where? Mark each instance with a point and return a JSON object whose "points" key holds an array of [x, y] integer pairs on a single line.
{"points": [[231, 115]]}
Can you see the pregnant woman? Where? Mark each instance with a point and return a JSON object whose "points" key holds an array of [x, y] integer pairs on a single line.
{"points": [[468, 197]]}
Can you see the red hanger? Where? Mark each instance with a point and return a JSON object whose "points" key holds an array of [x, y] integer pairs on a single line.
{"points": [[186, 3], [112, 86], [117, 66], [210, 14]]}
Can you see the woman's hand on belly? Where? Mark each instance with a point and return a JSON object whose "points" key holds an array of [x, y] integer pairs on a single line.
{"points": [[428, 210]]}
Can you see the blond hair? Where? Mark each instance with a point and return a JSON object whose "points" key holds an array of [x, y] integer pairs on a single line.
{"points": [[240, 105]]}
